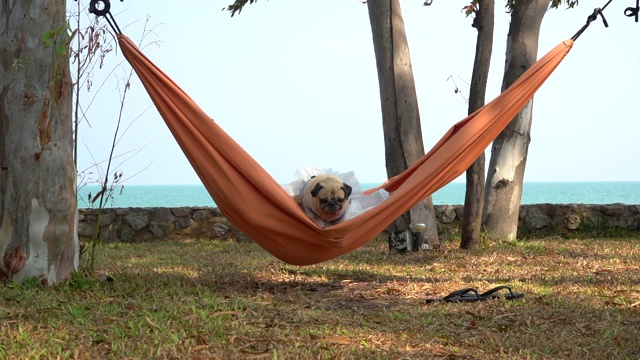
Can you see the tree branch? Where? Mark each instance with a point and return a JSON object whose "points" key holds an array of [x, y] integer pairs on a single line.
{"points": [[238, 5]]}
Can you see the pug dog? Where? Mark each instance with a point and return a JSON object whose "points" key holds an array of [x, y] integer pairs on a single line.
{"points": [[325, 199]]}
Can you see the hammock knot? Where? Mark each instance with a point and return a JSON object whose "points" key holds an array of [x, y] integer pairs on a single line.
{"points": [[590, 19], [633, 11], [594, 16]]}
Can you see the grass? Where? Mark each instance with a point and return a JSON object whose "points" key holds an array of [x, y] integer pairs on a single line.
{"points": [[200, 299]]}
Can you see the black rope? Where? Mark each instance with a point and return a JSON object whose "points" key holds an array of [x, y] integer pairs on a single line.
{"points": [[93, 8], [591, 18], [633, 11], [630, 11]]}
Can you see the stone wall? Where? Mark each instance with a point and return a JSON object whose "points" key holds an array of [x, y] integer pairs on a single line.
{"points": [[558, 219], [144, 224]]}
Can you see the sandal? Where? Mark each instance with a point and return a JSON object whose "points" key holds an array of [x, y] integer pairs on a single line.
{"points": [[472, 295]]}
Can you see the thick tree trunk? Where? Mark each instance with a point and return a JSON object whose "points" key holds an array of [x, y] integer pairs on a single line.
{"points": [[400, 114], [509, 150], [474, 196], [38, 234]]}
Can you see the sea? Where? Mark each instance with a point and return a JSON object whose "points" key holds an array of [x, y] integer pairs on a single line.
{"points": [[626, 192]]}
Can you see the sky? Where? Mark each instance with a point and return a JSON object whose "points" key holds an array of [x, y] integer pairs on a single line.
{"points": [[295, 84]]}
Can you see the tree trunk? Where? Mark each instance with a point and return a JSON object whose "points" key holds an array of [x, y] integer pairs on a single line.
{"points": [[509, 150], [474, 195], [38, 206], [400, 114]]}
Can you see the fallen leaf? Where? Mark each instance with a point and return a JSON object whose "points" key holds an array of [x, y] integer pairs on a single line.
{"points": [[224, 313], [199, 347], [336, 340], [8, 310], [151, 322]]}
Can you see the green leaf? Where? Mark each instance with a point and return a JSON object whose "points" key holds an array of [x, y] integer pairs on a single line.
{"points": [[61, 50], [46, 38]]}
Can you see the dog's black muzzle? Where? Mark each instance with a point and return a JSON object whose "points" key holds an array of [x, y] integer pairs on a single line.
{"points": [[332, 206]]}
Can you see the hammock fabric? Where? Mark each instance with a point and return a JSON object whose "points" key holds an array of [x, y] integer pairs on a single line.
{"points": [[259, 207]]}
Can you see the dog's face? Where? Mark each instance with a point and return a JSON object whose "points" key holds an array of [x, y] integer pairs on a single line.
{"points": [[326, 197]]}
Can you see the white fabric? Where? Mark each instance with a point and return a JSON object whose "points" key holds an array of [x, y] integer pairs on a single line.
{"points": [[358, 201]]}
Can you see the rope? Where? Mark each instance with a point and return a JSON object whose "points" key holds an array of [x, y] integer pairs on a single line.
{"points": [[633, 11], [630, 11], [591, 18]]}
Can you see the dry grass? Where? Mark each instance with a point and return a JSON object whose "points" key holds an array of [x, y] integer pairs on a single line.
{"points": [[197, 299]]}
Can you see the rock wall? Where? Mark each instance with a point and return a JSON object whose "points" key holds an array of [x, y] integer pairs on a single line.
{"points": [[144, 224], [558, 219]]}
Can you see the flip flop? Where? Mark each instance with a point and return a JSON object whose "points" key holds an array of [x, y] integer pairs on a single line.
{"points": [[493, 293], [472, 295], [462, 295]]}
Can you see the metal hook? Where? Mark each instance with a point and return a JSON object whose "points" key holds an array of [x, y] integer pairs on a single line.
{"points": [[93, 8]]}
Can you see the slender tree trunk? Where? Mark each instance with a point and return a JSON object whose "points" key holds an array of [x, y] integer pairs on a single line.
{"points": [[400, 114], [38, 233], [509, 150], [474, 196]]}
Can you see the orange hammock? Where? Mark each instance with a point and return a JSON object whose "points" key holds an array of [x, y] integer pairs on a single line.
{"points": [[258, 206]]}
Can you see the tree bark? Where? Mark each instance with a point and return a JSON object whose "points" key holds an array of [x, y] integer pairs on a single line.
{"points": [[509, 150], [474, 195], [38, 206], [400, 113]]}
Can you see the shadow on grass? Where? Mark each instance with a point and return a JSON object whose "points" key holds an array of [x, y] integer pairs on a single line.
{"points": [[309, 306], [376, 301]]}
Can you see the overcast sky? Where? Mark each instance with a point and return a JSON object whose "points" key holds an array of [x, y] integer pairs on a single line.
{"points": [[295, 83]]}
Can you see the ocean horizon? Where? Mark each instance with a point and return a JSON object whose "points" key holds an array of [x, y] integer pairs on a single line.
{"points": [[586, 192]]}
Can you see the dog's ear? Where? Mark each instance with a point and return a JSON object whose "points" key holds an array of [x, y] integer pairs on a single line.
{"points": [[347, 190], [316, 189]]}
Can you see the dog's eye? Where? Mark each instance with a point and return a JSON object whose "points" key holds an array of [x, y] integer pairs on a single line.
{"points": [[324, 200], [339, 199]]}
